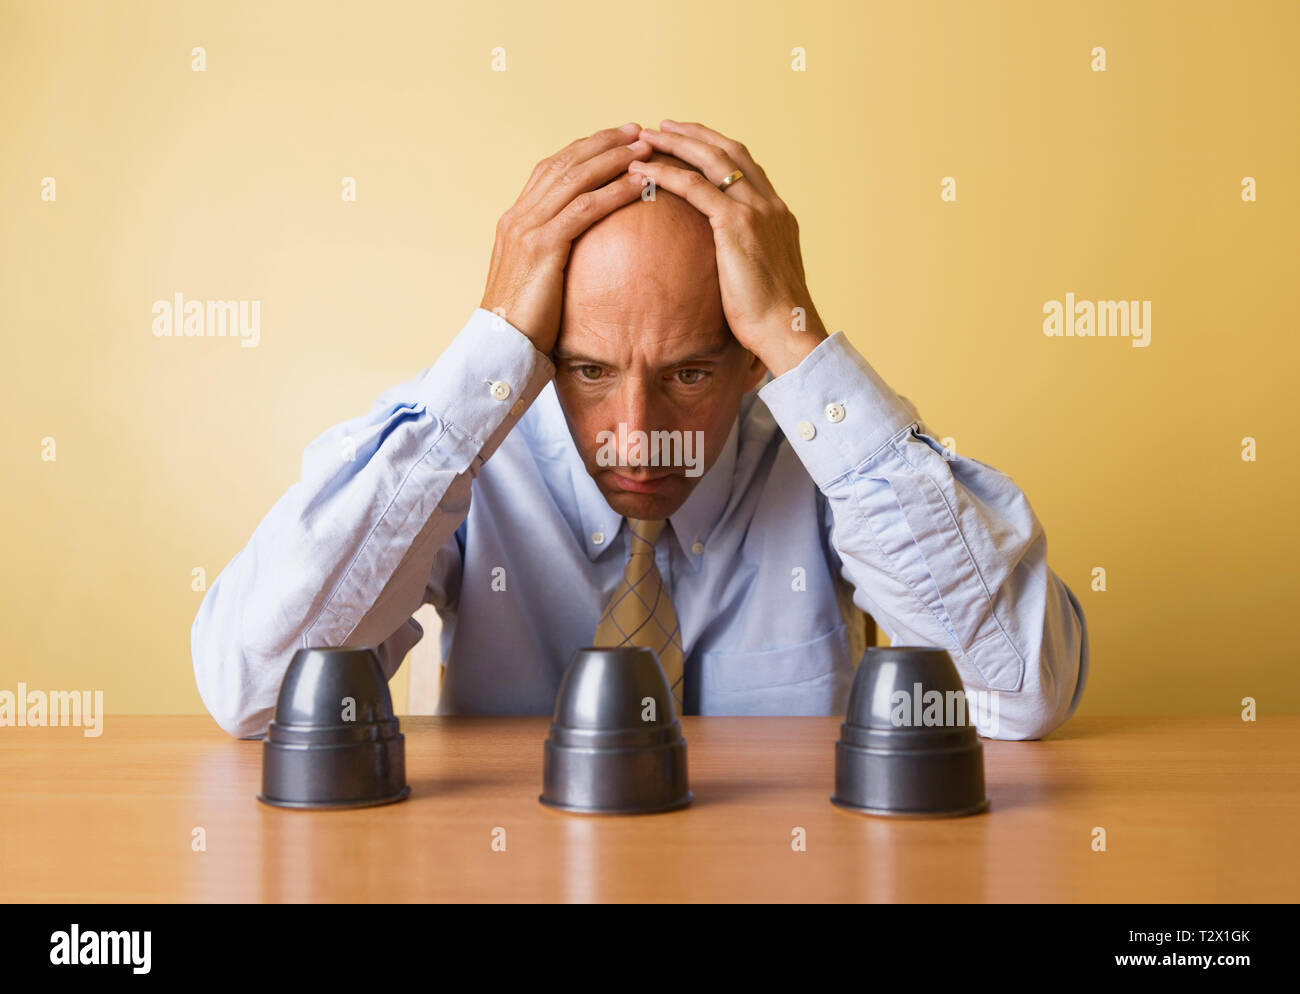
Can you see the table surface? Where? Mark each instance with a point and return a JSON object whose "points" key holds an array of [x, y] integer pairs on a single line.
{"points": [[1194, 809]]}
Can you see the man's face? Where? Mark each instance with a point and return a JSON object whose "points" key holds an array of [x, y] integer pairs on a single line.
{"points": [[643, 343]]}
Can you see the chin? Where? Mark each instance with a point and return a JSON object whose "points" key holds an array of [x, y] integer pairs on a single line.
{"points": [[647, 507]]}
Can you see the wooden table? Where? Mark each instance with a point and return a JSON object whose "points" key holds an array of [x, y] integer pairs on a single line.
{"points": [[1195, 809]]}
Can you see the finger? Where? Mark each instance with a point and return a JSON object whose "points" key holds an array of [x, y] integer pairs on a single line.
{"points": [[704, 195], [589, 206], [738, 152], [626, 132], [575, 152], [715, 162], [554, 195]]}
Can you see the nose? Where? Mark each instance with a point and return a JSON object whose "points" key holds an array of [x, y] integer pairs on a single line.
{"points": [[638, 409]]}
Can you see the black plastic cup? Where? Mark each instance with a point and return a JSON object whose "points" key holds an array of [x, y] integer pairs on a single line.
{"points": [[610, 750], [334, 741], [902, 751]]}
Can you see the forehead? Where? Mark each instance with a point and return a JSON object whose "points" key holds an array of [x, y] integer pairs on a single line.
{"points": [[624, 346], [641, 286]]}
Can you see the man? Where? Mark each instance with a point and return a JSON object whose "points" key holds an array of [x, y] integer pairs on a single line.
{"points": [[509, 484]]}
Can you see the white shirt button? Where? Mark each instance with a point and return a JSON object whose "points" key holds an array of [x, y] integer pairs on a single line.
{"points": [[697, 548], [500, 389], [834, 412], [598, 537], [806, 430]]}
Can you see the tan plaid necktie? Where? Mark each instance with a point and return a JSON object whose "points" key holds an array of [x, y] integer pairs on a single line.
{"points": [[640, 612]]}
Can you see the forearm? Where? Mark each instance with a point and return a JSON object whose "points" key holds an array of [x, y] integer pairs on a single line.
{"points": [[345, 554], [942, 550]]}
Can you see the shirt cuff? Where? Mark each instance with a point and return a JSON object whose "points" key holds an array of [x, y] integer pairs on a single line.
{"points": [[484, 381], [835, 409]]}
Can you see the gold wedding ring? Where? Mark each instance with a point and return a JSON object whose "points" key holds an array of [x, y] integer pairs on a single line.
{"points": [[729, 180]]}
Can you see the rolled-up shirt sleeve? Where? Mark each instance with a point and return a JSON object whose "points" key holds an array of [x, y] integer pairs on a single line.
{"points": [[941, 549], [368, 532]]}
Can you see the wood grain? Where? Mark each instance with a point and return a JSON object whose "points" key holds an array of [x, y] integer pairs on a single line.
{"points": [[1195, 809]]}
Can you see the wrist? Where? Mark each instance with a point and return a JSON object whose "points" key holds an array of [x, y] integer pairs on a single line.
{"points": [[793, 348]]}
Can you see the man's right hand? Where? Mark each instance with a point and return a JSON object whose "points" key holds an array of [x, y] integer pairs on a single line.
{"points": [[566, 194]]}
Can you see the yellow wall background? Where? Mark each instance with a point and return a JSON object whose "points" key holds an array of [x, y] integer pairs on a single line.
{"points": [[225, 184]]}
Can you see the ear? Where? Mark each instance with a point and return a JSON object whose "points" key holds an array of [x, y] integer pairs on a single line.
{"points": [[753, 372]]}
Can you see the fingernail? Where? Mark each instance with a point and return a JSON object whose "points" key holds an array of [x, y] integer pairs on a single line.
{"points": [[630, 126], [638, 146]]}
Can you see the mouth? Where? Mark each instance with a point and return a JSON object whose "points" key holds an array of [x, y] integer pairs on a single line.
{"points": [[644, 485]]}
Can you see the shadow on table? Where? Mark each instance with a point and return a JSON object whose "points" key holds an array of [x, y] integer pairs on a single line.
{"points": [[450, 786]]}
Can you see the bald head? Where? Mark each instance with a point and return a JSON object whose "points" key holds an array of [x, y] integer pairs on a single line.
{"points": [[649, 265]]}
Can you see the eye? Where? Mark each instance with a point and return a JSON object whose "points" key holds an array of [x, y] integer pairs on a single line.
{"points": [[701, 375], [590, 379]]}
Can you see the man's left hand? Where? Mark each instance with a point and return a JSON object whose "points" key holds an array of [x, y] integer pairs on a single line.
{"points": [[760, 267]]}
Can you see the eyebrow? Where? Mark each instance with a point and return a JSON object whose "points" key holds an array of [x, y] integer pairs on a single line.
{"points": [[565, 355]]}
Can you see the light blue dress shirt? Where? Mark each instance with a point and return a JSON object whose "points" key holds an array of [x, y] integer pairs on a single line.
{"points": [[829, 492]]}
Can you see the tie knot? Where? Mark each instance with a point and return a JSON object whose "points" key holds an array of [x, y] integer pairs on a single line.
{"points": [[644, 535]]}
